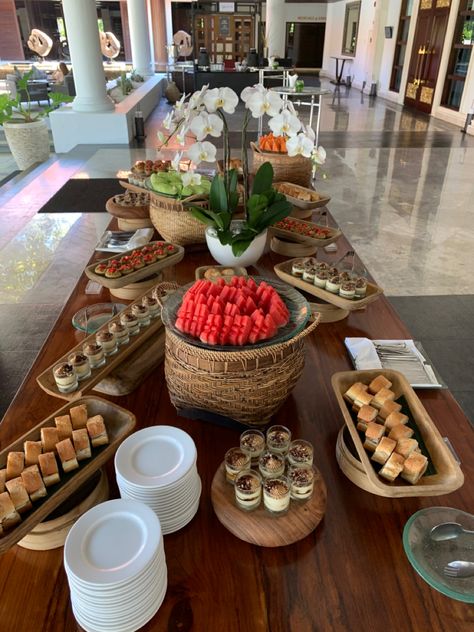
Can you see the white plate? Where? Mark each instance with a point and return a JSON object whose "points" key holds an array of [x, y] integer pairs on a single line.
{"points": [[164, 493], [154, 496], [155, 457], [112, 542], [179, 504]]}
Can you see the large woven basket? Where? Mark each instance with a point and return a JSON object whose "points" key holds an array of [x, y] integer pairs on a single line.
{"points": [[294, 169], [174, 222], [248, 386]]}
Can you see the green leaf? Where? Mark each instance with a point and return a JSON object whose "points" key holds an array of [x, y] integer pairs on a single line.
{"points": [[239, 247], [218, 195], [263, 179], [198, 213]]}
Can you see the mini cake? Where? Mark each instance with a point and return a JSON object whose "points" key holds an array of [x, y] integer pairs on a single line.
{"points": [[235, 461], [301, 482], [171, 249], [153, 306], [142, 313], [278, 439], [297, 268], [322, 265], [392, 467], [149, 258], [120, 332], [344, 276], [347, 289], [406, 446], [310, 262], [248, 490], [80, 362], [414, 467], [333, 271], [271, 464], [300, 453], [333, 284], [373, 434], [308, 274], [95, 354], [365, 416], [276, 495], [320, 278], [378, 383], [126, 268], [253, 443], [65, 377], [394, 419], [360, 287], [383, 451], [400, 432], [131, 323], [107, 341]]}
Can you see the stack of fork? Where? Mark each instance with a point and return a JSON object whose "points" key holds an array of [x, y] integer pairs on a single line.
{"points": [[400, 357]]}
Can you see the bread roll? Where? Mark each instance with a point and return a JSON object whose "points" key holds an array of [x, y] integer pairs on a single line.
{"points": [[67, 455], [49, 468], [382, 397], [378, 383], [363, 398], [32, 451], [64, 426], [392, 467], [82, 444], [384, 449], [387, 408], [365, 416], [3, 478], [15, 464], [406, 446], [78, 416], [414, 467], [33, 482], [97, 431], [373, 434], [18, 494], [400, 432], [9, 516], [394, 419], [49, 438], [351, 394]]}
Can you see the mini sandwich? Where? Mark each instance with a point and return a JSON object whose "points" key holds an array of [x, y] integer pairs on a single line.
{"points": [[400, 432], [97, 431], [15, 464], [49, 468], [33, 482], [382, 397], [351, 394], [394, 419], [82, 444], [64, 426], [363, 398], [392, 467], [67, 455], [18, 494], [406, 446], [414, 467], [378, 383], [78, 416], [365, 416], [387, 408], [32, 451], [384, 450], [9, 516], [49, 438], [373, 434]]}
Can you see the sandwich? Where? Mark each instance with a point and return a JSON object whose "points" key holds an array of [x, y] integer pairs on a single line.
{"points": [[392, 467], [67, 455], [18, 494], [365, 416], [382, 397], [400, 432], [49, 438], [384, 450], [82, 444], [373, 434], [387, 408], [406, 446], [49, 468], [378, 383], [394, 419], [9, 516], [78, 416], [64, 426], [33, 482], [15, 464], [97, 431], [414, 467], [32, 451]]}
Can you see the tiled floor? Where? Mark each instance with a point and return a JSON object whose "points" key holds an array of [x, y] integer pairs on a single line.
{"points": [[402, 190]]}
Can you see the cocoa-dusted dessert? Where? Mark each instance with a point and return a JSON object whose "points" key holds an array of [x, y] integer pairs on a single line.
{"points": [[120, 331], [321, 278], [300, 452], [360, 287], [271, 464], [153, 306], [347, 289], [131, 323], [311, 262], [142, 313], [308, 274], [278, 439], [333, 271], [235, 461], [248, 490], [344, 276], [94, 353], [297, 268], [333, 284], [81, 363], [107, 341], [276, 495], [301, 482], [322, 265], [65, 377], [253, 442]]}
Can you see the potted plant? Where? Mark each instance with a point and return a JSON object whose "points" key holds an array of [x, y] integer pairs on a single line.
{"points": [[467, 32], [25, 129]]}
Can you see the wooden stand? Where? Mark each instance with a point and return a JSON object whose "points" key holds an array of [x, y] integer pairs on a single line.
{"points": [[329, 313], [133, 290], [259, 526], [291, 248]]}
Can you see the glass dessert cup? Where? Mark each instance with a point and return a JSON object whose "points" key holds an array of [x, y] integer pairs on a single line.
{"points": [[253, 443], [65, 377], [80, 362], [278, 439], [248, 490], [95, 354], [142, 313], [120, 331], [276, 495], [131, 323], [271, 464], [107, 341], [235, 461], [301, 482], [300, 452], [153, 306]]}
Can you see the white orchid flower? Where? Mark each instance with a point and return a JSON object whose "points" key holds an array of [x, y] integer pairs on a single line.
{"points": [[249, 91], [299, 145], [261, 103], [168, 120], [176, 160], [288, 105], [202, 152], [319, 155], [161, 136], [197, 98], [206, 124], [180, 104], [191, 178], [221, 98], [285, 124]]}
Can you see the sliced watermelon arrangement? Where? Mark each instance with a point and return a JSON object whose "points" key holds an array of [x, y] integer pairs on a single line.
{"points": [[236, 313]]}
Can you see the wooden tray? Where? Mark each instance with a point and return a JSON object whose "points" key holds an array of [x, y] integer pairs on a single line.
{"points": [[132, 291], [283, 271], [329, 313], [291, 248], [119, 423], [46, 379], [127, 212], [137, 275], [288, 235], [258, 526], [305, 205], [448, 476], [238, 271]]}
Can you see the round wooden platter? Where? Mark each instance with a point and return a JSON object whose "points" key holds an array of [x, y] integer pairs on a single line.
{"points": [[329, 313], [292, 248], [351, 466], [134, 290], [301, 213], [262, 528]]}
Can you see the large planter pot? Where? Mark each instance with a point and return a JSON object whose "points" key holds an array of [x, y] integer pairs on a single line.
{"points": [[28, 142], [223, 253]]}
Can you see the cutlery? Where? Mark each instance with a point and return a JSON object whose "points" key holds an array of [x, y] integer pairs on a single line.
{"points": [[448, 531], [459, 569]]}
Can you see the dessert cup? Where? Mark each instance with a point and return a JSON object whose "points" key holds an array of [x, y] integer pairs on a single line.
{"points": [[248, 490], [66, 377], [153, 306], [131, 323], [95, 354], [271, 464], [301, 482], [120, 331], [278, 439], [253, 443], [235, 461], [276, 495], [300, 453], [142, 313], [107, 341], [81, 364]]}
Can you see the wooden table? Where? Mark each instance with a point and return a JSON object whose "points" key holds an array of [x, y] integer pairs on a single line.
{"points": [[351, 573]]}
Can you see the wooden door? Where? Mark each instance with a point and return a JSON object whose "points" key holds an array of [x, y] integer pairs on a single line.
{"points": [[226, 37], [426, 53]]}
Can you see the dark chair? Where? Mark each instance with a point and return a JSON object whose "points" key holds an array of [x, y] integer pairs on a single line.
{"points": [[38, 91]]}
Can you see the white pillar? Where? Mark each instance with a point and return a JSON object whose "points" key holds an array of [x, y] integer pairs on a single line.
{"points": [[140, 37], [169, 22], [86, 58], [275, 27]]}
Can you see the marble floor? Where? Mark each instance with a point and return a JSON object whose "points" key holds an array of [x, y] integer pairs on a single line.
{"points": [[402, 191]]}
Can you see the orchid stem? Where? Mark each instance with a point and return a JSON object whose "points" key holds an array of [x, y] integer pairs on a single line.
{"points": [[244, 158]]}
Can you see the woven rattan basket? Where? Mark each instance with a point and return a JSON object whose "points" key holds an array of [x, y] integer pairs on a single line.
{"points": [[174, 223], [294, 169], [248, 386]]}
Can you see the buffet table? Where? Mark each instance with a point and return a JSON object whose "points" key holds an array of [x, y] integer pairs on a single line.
{"points": [[351, 573]]}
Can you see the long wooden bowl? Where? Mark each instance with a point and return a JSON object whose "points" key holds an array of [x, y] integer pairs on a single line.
{"points": [[119, 423], [448, 476], [304, 204], [288, 235]]}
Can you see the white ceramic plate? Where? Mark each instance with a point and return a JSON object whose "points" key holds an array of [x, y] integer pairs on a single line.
{"points": [[171, 499], [164, 493]]}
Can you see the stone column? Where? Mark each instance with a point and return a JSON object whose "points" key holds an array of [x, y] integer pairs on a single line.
{"points": [[275, 27], [140, 37], [86, 58]]}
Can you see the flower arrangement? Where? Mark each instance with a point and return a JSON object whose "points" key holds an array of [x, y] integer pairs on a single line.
{"points": [[205, 115]]}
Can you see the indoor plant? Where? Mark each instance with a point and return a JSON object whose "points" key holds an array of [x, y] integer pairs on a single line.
{"points": [[25, 130]]}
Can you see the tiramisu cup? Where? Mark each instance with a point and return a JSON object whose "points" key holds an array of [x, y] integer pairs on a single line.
{"points": [[308, 274], [271, 464], [107, 341], [301, 482], [253, 443], [235, 461], [322, 265], [347, 289], [131, 323], [333, 284], [297, 269], [300, 453], [278, 439], [66, 377], [248, 490], [276, 495], [142, 313], [320, 279], [153, 306], [360, 287], [120, 331], [95, 354], [81, 364]]}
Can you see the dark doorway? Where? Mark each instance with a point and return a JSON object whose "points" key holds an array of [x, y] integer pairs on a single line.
{"points": [[305, 43]]}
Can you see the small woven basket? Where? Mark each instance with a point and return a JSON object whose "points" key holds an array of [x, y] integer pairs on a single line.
{"points": [[248, 386], [174, 222], [294, 169]]}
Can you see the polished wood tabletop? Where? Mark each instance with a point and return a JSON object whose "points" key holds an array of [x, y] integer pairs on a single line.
{"points": [[351, 573]]}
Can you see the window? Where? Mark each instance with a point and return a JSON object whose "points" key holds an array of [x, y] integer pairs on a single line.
{"points": [[401, 45], [351, 27], [460, 57]]}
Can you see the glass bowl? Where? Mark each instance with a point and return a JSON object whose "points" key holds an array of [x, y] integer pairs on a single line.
{"points": [[92, 317]]}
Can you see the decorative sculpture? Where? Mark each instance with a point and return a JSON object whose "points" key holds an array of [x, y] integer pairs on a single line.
{"points": [[109, 45], [183, 42], [40, 43]]}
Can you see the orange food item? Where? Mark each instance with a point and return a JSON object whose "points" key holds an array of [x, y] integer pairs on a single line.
{"points": [[269, 142]]}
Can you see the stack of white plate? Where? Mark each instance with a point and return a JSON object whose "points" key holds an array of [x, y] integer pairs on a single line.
{"points": [[157, 466], [116, 568]]}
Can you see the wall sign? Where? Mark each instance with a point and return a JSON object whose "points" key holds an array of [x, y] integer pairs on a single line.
{"points": [[224, 26], [227, 7]]}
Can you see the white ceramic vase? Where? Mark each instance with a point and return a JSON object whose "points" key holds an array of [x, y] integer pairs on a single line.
{"points": [[28, 142], [223, 253]]}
